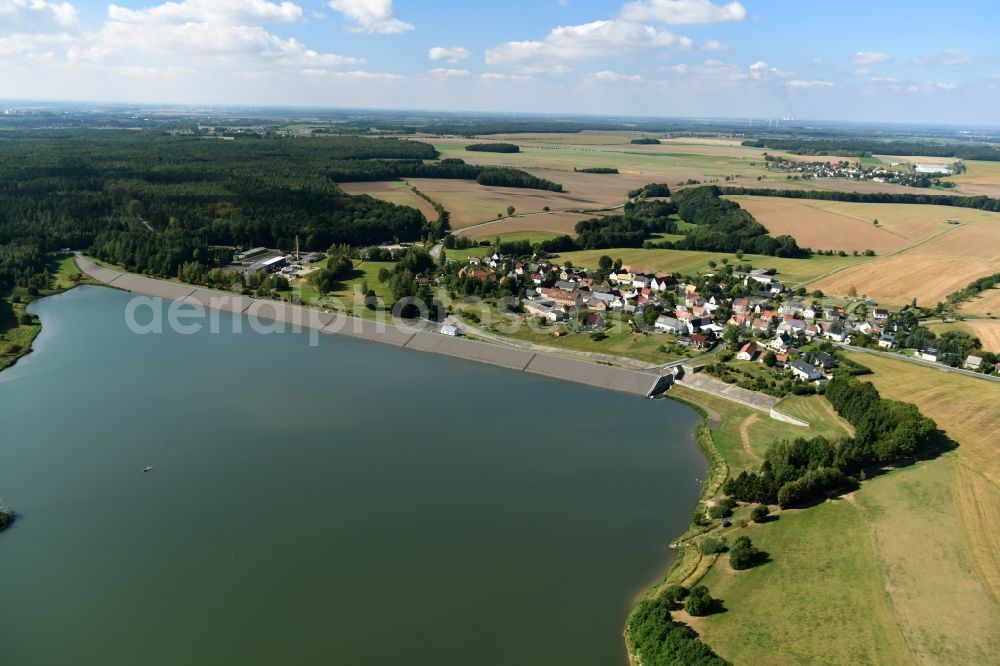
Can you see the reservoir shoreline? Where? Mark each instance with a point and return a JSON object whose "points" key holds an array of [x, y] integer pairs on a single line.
{"points": [[421, 337]]}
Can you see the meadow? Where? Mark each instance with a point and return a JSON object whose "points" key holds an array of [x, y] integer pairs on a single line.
{"points": [[394, 191], [980, 178], [791, 271]]}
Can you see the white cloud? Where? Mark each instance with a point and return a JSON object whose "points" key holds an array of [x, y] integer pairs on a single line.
{"points": [[760, 70], [24, 15], [598, 39], [550, 70], [798, 83], [869, 57], [202, 35], [452, 54], [683, 11], [373, 16], [714, 45], [355, 75], [497, 76], [152, 72], [449, 73], [713, 71], [946, 86], [19, 44], [953, 58], [608, 76], [212, 11]]}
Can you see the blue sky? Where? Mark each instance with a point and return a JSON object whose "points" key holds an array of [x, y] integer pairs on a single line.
{"points": [[846, 60]]}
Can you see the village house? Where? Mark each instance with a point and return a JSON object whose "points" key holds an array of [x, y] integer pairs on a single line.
{"points": [[887, 341], [536, 309], [748, 352], [669, 324], [973, 363], [929, 354], [805, 371]]}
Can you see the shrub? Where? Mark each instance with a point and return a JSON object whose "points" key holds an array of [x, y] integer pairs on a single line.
{"points": [[699, 605], [743, 554], [759, 513], [675, 593], [712, 546]]}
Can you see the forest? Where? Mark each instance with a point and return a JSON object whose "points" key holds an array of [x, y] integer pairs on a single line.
{"points": [[152, 201], [957, 200], [866, 148]]}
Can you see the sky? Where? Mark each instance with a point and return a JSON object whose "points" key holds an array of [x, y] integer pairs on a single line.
{"points": [[883, 60]]}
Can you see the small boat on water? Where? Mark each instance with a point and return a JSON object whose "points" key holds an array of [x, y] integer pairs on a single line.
{"points": [[147, 468]]}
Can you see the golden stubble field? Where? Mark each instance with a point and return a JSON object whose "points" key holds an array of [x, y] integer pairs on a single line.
{"points": [[933, 268], [986, 303], [988, 331], [980, 179], [819, 228]]}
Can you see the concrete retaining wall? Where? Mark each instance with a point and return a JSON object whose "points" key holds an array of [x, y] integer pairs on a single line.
{"points": [[775, 414]]}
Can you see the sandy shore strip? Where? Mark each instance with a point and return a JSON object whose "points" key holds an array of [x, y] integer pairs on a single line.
{"points": [[418, 336]]}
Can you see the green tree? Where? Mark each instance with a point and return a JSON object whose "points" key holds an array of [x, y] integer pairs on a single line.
{"points": [[759, 513], [605, 262]]}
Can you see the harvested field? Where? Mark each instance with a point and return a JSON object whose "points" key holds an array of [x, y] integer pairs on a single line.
{"points": [[930, 270], [470, 203], [980, 178], [894, 280], [549, 223], [820, 229], [393, 191], [988, 331], [986, 302]]}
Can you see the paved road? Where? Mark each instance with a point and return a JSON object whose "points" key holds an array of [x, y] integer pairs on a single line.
{"points": [[919, 361]]}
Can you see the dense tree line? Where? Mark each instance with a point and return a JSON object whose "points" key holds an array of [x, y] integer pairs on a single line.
{"points": [[597, 170], [659, 641], [645, 141], [866, 148], [723, 226], [493, 148], [794, 472], [631, 229], [449, 169], [957, 200]]}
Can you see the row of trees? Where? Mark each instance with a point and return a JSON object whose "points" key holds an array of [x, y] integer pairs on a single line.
{"points": [[493, 148], [868, 147], [794, 472], [959, 201], [447, 169]]}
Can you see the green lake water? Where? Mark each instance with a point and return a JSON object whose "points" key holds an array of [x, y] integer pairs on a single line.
{"points": [[350, 503]]}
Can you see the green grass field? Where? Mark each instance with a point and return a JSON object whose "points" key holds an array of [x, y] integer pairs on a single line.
{"points": [[618, 343], [904, 570], [791, 271], [818, 601]]}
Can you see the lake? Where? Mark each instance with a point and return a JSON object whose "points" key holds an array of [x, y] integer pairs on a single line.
{"points": [[347, 503]]}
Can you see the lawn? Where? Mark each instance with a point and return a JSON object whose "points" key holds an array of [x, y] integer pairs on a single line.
{"points": [[364, 271], [791, 271], [619, 342], [819, 601]]}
